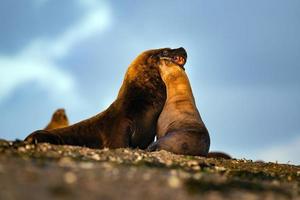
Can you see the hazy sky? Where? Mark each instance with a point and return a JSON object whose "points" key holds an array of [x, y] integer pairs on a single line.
{"points": [[243, 64]]}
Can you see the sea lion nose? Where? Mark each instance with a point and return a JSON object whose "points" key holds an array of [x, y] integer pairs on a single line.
{"points": [[182, 52]]}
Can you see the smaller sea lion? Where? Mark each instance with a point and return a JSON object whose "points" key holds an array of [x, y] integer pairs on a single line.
{"points": [[59, 120], [218, 154], [180, 128]]}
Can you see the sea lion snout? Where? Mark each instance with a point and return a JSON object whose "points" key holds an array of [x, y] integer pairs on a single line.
{"points": [[177, 56], [181, 51]]}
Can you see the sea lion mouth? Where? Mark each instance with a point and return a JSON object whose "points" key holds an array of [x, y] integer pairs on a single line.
{"points": [[176, 56], [179, 60]]}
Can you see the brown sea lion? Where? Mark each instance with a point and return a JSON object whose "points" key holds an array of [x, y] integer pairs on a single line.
{"points": [[59, 120], [130, 121], [180, 128]]}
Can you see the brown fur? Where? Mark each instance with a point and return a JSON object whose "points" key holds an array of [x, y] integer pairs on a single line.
{"points": [[59, 120], [180, 128], [130, 121]]}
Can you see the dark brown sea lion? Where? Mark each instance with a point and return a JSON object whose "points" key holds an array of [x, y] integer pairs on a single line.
{"points": [[59, 120], [180, 128], [130, 121]]}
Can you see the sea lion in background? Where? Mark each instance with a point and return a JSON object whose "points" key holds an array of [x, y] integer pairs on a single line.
{"points": [[218, 154], [59, 120], [130, 121], [180, 128]]}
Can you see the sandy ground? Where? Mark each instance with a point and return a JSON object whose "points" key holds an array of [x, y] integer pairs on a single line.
{"points": [[47, 171]]}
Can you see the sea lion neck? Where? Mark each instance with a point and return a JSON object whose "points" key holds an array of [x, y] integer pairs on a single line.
{"points": [[176, 81], [141, 85]]}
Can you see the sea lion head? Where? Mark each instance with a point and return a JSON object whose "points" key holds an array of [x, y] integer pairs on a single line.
{"points": [[175, 56], [60, 116], [151, 59], [143, 77], [143, 74], [170, 63]]}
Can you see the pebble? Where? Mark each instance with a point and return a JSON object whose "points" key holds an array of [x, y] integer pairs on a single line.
{"points": [[95, 157], [276, 182], [66, 162], [198, 176], [184, 175], [138, 158], [173, 172], [168, 163], [28, 146], [107, 166], [86, 165], [126, 151], [220, 169], [70, 177], [21, 149], [174, 182], [192, 163]]}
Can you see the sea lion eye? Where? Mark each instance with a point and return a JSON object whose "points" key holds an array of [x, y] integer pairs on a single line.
{"points": [[165, 53]]}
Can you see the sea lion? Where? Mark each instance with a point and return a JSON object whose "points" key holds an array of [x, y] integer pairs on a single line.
{"points": [[180, 128], [59, 120], [130, 121], [218, 154]]}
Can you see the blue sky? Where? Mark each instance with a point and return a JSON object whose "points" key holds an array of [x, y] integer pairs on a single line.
{"points": [[243, 64]]}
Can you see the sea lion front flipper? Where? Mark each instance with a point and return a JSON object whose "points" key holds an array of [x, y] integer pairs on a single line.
{"points": [[41, 136], [170, 143], [154, 146], [185, 143]]}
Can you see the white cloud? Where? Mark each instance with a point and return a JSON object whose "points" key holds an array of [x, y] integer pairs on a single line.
{"points": [[37, 61], [283, 153], [19, 70], [96, 20]]}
